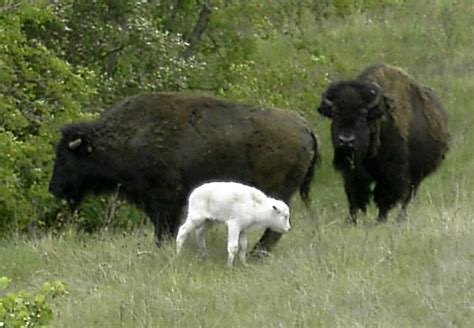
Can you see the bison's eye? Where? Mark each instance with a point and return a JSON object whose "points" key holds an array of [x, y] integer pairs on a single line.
{"points": [[361, 121]]}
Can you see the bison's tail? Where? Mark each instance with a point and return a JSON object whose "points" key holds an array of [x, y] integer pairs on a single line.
{"points": [[315, 161]]}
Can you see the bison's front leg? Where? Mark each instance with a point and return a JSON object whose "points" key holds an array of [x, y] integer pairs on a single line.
{"points": [[165, 219], [352, 213], [387, 193], [408, 197], [357, 190], [159, 228], [266, 243]]}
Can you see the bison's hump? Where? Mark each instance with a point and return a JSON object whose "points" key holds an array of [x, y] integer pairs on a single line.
{"points": [[403, 95]]}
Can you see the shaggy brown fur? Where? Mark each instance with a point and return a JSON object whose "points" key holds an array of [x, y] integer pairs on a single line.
{"points": [[158, 146], [387, 130], [399, 89]]}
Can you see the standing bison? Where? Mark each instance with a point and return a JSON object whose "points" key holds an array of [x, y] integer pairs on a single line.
{"points": [[156, 147], [386, 129]]}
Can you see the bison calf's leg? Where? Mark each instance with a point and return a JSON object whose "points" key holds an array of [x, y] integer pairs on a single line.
{"points": [[183, 232], [182, 235], [233, 234], [200, 232], [243, 247]]}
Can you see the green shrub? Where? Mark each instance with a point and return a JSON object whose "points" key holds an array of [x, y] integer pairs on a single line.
{"points": [[24, 309], [38, 92]]}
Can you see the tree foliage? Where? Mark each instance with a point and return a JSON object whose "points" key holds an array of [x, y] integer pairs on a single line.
{"points": [[38, 92]]}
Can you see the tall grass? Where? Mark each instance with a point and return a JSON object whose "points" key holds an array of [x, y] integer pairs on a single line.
{"points": [[324, 273]]}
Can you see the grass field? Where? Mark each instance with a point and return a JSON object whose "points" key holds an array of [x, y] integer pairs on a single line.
{"points": [[324, 273]]}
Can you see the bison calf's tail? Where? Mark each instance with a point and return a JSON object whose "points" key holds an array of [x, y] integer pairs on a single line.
{"points": [[315, 162]]}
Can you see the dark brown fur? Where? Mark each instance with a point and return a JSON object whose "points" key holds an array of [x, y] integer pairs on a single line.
{"points": [[156, 147], [387, 130]]}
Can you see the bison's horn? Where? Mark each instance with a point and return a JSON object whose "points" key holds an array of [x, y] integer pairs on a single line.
{"points": [[327, 101], [377, 91], [75, 143]]}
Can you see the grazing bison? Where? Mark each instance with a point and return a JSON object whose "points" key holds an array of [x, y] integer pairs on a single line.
{"points": [[386, 129], [156, 147]]}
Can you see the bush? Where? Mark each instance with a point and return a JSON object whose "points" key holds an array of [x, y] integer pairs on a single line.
{"points": [[23, 309], [39, 91]]}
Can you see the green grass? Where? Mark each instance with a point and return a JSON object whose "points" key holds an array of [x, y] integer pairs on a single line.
{"points": [[324, 273]]}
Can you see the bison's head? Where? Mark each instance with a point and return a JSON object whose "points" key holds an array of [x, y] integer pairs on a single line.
{"points": [[72, 167], [353, 106]]}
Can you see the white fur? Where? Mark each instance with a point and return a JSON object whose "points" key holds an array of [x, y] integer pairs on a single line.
{"points": [[240, 207]]}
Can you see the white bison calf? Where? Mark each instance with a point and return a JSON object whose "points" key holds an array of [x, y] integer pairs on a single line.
{"points": [[240, 207]]}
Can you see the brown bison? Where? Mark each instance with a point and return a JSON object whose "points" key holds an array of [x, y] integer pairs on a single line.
{"points": [[387, 130], [156, 147]]}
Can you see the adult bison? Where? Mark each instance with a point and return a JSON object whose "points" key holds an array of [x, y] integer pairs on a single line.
{"points": [[156, 147], [386, 129]]}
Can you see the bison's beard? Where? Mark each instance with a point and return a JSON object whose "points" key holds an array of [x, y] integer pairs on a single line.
{"points": [[72, 198], [74, 203], [345, 159]]}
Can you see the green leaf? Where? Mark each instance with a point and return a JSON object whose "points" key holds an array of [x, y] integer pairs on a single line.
{"points": [[40, 299], [4, 282]]}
